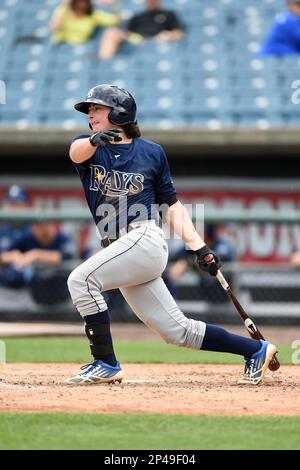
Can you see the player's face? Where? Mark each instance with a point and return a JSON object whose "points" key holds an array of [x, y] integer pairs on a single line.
{"points": [[44, 231], [295, 8], [153, 4], [98, 117]]}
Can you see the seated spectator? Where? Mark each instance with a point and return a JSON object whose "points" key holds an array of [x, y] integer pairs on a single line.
{"points": [[42, 243], [209, 289], [75, 21], [295, 259], [16, 198], [284, 38], [155, 23]]}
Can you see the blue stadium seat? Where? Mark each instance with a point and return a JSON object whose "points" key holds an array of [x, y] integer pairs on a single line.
{"points": [[211, 78]]}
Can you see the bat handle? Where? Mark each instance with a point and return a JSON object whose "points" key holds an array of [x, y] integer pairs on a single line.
{"points": [[222, 280], [209, 259]]}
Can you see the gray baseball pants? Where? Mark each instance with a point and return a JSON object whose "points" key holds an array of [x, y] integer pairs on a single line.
{"points": [[134, 264]]}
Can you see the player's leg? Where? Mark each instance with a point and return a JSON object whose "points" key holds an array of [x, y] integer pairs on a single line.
{"points": [[154, 305], [105, 367], [127, 261]]}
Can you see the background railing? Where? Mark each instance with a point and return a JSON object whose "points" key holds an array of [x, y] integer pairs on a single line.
{"points": [[268, 291]]}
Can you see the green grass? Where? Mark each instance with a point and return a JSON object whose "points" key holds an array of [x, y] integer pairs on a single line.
{"points": [[74, 431], [77, 350], [126, 431]]}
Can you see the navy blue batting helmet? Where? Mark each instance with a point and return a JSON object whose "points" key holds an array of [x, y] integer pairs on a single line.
{"points": [[120, 100]]}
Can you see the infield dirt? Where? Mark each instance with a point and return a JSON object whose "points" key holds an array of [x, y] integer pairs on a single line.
{"points": [[151, 388]]}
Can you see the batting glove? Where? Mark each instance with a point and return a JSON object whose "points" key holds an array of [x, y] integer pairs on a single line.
{"points": [[207, 260], [102, 138]]}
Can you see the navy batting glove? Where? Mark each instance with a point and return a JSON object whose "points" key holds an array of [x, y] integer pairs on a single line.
{"points": [[207, 260], [102, 138]]}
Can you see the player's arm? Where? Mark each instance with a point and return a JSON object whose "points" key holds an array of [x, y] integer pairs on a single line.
{"points": [[180, 221], [9, 257], [84, 148], [47, 256], [177, 270], [81, 150], [52, 257]]}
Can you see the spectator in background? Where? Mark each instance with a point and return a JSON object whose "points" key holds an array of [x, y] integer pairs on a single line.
{"points": [[42, 244], [284, 38], [184, 259], [295, 259], [75, 21], [16, 198], [155, 23]]}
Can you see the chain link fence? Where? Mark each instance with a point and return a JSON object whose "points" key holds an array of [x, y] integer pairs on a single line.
{"points": [[269, 293]]}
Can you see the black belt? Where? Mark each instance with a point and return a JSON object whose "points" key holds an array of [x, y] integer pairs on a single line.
{"points": [[106, 241]]}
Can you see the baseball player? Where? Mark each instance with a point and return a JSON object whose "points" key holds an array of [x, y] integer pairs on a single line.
{"points": [[16, 198], [124, 176]]}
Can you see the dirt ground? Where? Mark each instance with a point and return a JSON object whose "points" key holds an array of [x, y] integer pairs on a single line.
{"points": [[151, 388]]}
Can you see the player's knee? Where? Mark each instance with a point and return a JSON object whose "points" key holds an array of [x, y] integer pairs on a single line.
{"points": [[175, 338], [70, 283], [75, 283], [188, 335]]}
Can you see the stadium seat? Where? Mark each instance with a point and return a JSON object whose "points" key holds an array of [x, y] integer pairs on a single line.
{"points": [[213, 77]]}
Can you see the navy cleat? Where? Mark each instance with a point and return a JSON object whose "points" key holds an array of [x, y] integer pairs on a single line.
{"points": [[256, 365], [97, 372]]}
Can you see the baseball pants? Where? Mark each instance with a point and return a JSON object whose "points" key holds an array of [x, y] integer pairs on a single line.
{"points": [[134, 264]]}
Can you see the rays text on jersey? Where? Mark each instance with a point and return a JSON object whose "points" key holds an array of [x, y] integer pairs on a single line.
{"points": [[115, 183]]}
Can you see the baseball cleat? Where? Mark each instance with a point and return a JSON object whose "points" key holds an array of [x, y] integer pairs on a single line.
{"points": [[256, 365], [97, 372]]}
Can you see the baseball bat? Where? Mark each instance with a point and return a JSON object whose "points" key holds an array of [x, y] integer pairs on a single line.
{"points": [[249, 324]]}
